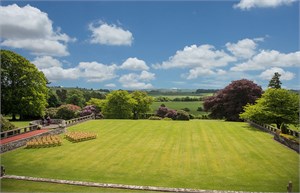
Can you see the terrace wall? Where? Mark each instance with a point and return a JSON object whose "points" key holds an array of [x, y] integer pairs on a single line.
{"points": [[276, 132], [61, 128]]}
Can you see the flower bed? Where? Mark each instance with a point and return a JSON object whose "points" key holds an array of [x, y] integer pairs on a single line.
{"points": [[45, 141], [78, 136]]}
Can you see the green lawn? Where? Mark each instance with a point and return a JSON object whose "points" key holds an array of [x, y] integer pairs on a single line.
{"points": [[193, 106], [20, 123], [201, 154]]}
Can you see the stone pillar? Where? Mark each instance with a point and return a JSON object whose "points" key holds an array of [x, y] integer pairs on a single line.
{"points": [[289, 187]]}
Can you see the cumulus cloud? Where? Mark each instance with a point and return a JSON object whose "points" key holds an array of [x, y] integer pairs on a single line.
{"points": [[30, 29], [137, 81], [248, 4], [134, 64], [269, 58], [103, 33], [205, 56], [268, 74], [110, 85], [97, 72], [90, 71], [242, 49]]}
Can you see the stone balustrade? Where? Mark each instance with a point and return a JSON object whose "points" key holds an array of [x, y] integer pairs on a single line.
{"points": [[18, 131]]}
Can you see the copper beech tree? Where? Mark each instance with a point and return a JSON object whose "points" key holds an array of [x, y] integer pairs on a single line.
{"points": [[228, 103]]}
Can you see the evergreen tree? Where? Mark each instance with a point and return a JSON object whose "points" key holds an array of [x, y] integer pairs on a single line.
{"points": [[275, 81]]}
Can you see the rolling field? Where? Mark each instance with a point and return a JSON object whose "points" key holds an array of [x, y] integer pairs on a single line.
{"points": [[193, 106], [202, 154]]}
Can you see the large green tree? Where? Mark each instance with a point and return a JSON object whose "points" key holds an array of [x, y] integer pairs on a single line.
{"points": [[118, 104], [275, 106], [275, 81], [143, 102], [75, 97], [23, 87]]}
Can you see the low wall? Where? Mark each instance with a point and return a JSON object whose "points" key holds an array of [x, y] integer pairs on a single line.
{"points": [[60, 129], [22, 142], [274, 131], [18, 131], [287, 142]]}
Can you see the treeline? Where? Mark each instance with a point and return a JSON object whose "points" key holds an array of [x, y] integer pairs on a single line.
{"points": [[199, 91], [178, 99]]}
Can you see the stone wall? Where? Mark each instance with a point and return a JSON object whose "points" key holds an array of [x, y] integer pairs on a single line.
{"points": [[274, 131], [22, 142]]}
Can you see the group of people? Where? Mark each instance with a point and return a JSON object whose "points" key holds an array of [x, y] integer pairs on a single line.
{"points": [[46, 121]]}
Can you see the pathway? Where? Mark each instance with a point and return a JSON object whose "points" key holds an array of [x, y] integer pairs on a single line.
{"points": [[117, 186], [28, 134], [22, 136]]}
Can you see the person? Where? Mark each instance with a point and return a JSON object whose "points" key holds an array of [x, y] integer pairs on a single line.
{"points": [[2, 170], [48, 120]]}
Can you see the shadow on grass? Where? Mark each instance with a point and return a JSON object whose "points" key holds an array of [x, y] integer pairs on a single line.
{"points": [[252, 128]]}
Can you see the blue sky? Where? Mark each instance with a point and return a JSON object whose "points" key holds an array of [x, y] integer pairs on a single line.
{"points": [[156, 44]]}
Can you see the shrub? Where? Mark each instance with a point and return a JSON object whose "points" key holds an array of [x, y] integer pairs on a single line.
{"points": [[199, 109], [162, 111], [52, 112], [192, 116], [167, 119], [155, 118], [88, 110], [68, 111], [171, 114], [182, 115], [186, 109], [283, 128], [6, 125]]}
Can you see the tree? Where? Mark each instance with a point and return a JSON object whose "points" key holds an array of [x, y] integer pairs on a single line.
{"points": [[5, 125], [23, 87], [62, 95], [75, 97], [275, 81], [228, 103], [277, 106], [143, 102], [119, 105], [53, 100]]}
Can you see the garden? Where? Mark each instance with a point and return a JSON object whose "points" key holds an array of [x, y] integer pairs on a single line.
{"points": [[203, 154]]}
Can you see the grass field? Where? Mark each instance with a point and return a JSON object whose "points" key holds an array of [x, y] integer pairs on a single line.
{"points": [[201, 154], [193, 106]]}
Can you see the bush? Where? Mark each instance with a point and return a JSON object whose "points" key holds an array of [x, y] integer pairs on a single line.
{"points": [[283, 128], [6, 125], [52, 112], [186, 109], [182, 115], [154, 118], [171, 114], [192, 116], [88, 110], [199, 109], [167, 119], [162, 111], [68, 111]]}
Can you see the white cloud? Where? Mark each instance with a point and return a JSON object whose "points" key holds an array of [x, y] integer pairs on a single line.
{"points": [[43, 62], [97, 72], [248, 4], [242, 49], [110, 34], [268, 74], [196, 72], [134, 64], [204, 56], [269, 58], [55, 73], [137, 81], [110, 85], [30, 29]]}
